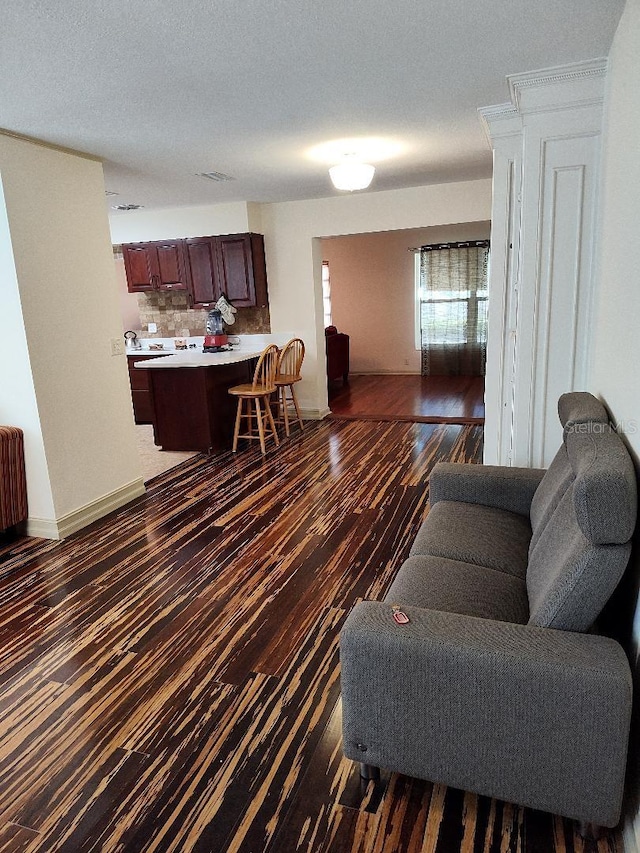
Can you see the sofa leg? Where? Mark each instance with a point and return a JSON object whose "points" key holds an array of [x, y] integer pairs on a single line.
{"points": [[587, 829], [368, 771]]}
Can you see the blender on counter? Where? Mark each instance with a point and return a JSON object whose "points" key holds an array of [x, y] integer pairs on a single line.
{"points": [[215, 339]]}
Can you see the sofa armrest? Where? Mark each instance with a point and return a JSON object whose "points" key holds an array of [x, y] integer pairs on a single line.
{"points": [[492, 485], [529, 715]]}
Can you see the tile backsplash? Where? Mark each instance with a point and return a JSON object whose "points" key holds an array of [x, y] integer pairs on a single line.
{"points": [[172, 315]]}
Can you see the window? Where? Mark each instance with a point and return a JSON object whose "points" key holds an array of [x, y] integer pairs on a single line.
{"points": [[453, 316], [326, 293]]}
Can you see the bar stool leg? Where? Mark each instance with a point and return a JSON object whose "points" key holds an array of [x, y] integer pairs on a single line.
{"points": [[237, 427], [283, 396], [295, 403], [260, 426], [273, 426]]}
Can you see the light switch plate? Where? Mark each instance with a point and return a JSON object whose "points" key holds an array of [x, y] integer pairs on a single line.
{"points": [[153, 327], [117, 346]]}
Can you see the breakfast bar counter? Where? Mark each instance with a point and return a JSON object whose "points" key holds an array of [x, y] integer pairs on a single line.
{"points": [[192, 407], [197, 358]]}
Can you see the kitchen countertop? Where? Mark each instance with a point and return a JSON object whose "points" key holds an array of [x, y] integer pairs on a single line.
{"points": [[193, 358]]}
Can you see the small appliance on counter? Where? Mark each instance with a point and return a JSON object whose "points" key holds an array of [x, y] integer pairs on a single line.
{"points": [[215, 340], [223, 312], [131, 340]]}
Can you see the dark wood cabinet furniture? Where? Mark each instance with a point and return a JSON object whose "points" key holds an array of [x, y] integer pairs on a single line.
{"points": [[203, 270], [229, 264], [140, 389], [192, 409], [242, 269], [159, 265], [337, 347]]}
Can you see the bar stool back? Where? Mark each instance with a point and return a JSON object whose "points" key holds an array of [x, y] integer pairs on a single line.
{"points": [[256, 396], [289, 366]]}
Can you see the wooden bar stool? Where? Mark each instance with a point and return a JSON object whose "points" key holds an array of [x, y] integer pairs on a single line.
{"points": [[288, 373], [261, 388]]}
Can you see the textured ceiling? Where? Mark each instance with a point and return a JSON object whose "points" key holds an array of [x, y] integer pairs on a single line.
{"points": [[163, 90]]}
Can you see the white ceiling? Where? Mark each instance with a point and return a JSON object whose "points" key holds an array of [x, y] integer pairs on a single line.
{"points": [[161, 90]]}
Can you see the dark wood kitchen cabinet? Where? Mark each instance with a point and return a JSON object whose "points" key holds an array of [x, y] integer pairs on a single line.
{"points": [[207, 267], [160, 265], [140, 388], [242, 269], [203, 270], [233, 264]]}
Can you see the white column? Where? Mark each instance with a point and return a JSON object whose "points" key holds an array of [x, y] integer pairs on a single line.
{"points": [[547, 141]]}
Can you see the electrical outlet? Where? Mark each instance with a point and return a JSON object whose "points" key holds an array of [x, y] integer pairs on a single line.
{"points": [[117, 346], [406, 362], [152, 327]]}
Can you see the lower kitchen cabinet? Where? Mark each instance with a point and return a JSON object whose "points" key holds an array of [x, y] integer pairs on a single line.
{"points": [[140, 389]]}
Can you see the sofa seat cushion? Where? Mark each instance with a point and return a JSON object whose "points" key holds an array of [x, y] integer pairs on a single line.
{"points": [[436, 583], [472, 533]]}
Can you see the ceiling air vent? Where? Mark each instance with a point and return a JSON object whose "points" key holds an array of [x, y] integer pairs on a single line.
{"points": [[127, 206], [215, 176], [110, 192]]}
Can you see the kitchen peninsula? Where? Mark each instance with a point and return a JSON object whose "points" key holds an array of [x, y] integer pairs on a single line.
{"points": [[192, 409]]}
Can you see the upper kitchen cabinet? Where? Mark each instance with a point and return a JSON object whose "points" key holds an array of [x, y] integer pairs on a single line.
{"points": [[233, 264], [203, 272], [159, 265], [242, 269]]}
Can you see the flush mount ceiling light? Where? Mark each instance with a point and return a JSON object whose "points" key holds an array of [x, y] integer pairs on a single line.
{"points": [[351, 174]]}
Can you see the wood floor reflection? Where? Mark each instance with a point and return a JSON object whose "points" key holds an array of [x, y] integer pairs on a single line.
{"points": [[169, 677], [409, 398]]}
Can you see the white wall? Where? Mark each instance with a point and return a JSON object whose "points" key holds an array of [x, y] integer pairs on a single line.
{"points": [[615, 370], [58, 279], [615, 374], [377, 271], [294, 253], [134, 226], [18, 404], [128, 302]]}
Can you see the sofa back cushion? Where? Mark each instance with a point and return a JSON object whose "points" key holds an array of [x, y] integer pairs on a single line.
{"points": [[574, 409], [605, 497], [580, 553], [553, 486], [580, 407]]}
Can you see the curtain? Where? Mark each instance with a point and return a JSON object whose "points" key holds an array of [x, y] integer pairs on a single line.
{"points": [[453, 308]]}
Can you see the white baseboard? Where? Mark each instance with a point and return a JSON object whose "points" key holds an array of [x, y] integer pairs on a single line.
{"points": [[314, 414], [629, 837], [41, 528], [67, 524]]}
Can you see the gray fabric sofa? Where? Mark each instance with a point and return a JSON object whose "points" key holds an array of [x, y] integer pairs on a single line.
{"points": [[499, 683]]}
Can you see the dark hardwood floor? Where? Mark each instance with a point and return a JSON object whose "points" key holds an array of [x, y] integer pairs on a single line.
{"points": [[169, 677], [409, 398]]}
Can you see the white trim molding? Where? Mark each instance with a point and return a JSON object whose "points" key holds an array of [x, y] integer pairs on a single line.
{"points": [[60, 528], [314, 414], [500, 121], [578, 84], [546, 146], [629, 837]]}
